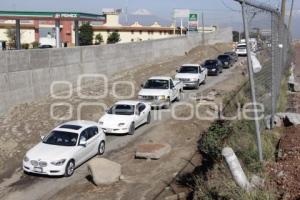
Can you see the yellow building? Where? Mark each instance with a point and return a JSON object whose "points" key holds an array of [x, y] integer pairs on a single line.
{"points": [[132, 33]]}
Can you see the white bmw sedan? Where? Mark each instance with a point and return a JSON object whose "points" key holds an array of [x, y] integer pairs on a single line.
{"points": [[65, 148], [125, 116]]}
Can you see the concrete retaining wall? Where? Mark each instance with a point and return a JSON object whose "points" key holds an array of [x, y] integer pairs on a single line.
{"points": [[26, 75]]}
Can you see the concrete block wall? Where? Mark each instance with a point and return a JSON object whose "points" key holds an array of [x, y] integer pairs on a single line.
{"points": [[26, 75]]}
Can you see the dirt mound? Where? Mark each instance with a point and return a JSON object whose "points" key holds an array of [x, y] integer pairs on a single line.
{"points": [[286, 171]]}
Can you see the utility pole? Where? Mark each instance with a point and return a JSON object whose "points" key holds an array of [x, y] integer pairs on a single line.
{"points": [[283, 3], [203, 39], [291, 14]]}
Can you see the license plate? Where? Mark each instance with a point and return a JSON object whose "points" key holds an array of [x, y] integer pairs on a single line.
{"points": [[38, 169]]}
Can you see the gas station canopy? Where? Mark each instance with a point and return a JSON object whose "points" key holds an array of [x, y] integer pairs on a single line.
{"points": [[55, 16], [32, 15]]}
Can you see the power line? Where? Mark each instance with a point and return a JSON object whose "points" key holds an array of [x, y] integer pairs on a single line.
{"points": [[228, 7]]}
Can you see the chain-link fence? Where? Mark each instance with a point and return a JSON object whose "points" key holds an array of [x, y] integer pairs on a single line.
{"points": [[268, 40]]}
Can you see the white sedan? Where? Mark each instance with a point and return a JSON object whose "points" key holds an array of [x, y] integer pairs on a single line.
{"points": [[125, 116], [65, 148]]}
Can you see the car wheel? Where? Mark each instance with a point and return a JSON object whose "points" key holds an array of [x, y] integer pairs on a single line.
{"points": [[70, 168], [101, 148], [148, 118], [178, 98], [131, 129], [197, 86], [204, 81], [168, 105]]}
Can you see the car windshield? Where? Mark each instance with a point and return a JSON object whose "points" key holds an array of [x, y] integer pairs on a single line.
{"points": [[121, 109], [210, 62], [224, 57], [61, 138], [241, 47], [189, 69], [157, 84]]}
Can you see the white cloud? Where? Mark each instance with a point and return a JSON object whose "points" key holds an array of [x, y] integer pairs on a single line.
{"points": [[142, 11]]}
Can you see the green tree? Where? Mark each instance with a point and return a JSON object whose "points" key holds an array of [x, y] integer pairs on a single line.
{"points": [[85, 34], [236, 36], [98, 39], [114, 37]]}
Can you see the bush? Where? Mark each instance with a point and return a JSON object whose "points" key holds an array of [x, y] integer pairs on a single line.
{"points": [[211, 143], [98, 39], [113, 38], [25, 46], [35, 44]]}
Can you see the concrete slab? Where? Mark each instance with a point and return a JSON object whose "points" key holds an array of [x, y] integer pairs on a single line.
{"points": [[39, 59], [17, 60], [3, 63], [103, 171], [56, 57], [152, 151]]}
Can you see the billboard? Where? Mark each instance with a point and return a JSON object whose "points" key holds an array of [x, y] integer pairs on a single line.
{"points": [[181, 13]]}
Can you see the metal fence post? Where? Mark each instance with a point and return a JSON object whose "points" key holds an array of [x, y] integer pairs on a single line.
{"points": [[274, 44], [252, 84]]}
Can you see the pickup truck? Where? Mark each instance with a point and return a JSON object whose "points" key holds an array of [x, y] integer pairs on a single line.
{"points": [[160, 91], [192, 75]]}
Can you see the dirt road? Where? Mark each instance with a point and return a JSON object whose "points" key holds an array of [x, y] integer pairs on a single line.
{"points": [[32, 119]]}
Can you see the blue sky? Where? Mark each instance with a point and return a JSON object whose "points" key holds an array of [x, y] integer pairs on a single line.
{"points": [[218, 12]]}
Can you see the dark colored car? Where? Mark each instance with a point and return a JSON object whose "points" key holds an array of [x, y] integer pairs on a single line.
{"points": [[226, 60], [45, 46], [234, 56], [214, 67]]}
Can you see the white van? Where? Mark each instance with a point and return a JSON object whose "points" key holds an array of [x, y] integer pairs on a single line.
{"points": [[241, 49]]}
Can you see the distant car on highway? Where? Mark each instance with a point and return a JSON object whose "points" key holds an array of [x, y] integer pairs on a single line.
{"points": [[234, 56], [214, 67], [192, 75], [226, 60], [241, 49], [66, 147], [125, 116], [161, 91]]}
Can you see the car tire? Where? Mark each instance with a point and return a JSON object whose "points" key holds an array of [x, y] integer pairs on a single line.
{"points": [[178, 98], [204, 81], [148, 118], [197, 86], [168, 105], [131, 129], [101, 148], [70, 168]]}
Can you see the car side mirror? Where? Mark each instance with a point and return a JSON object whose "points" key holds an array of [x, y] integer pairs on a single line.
{"points": [[142, 85], [177, 70], [137, 112], [42, 137], [82, 142]]}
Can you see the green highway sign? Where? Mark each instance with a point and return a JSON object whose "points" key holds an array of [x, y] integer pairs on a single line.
{"points": [[193, 17]]}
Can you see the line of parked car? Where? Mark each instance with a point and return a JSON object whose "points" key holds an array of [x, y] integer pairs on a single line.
{"points": [[72, 143]]}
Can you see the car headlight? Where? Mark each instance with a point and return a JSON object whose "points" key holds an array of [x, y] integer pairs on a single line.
{"points": [[26, 159], [162, 97], [58, 162], [140, 97], [193, 79], [213, 70], [121, 124]]}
